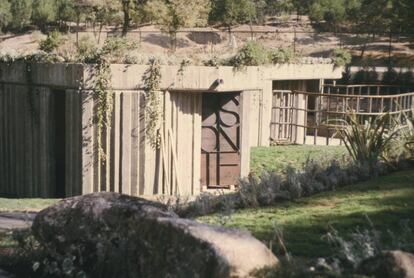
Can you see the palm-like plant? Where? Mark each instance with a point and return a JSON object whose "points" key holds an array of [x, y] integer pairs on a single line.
{"points": [[367, 142], [406, 132]]}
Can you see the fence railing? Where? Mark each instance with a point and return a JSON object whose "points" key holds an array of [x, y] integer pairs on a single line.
{"points": [[365, 89], [306, 117]]}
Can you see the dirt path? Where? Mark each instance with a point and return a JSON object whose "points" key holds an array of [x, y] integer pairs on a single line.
{"points": [[15, 220]]}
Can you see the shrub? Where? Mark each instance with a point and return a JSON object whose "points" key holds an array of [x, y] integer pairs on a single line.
{"points": [[341, 57], [390, 76], [367, 142], [114, 50], [282, 56], [86, 49], [367, 242], [366, 76], [405, 132], [272, 188], [52, 42], [252, 54]]}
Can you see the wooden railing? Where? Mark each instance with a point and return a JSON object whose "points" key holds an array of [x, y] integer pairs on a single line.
{"points": [[365, 89], [298, 116]]}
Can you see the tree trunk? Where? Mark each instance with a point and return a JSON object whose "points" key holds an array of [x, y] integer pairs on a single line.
{"points": [[100, 32], [390, 51], [173, 42], [77, 30], [125, 27], [251, 30]]}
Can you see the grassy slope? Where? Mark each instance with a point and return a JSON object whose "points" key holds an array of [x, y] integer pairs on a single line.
{"points": [[279, 157], [386, 200]]}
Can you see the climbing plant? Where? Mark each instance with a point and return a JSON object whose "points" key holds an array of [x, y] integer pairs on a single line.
{"points": [[152, 80], [104, 97], [30, 92]]}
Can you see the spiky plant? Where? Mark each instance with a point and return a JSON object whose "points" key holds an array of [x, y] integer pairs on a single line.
{"points": [[367, 142], [406, 132]]}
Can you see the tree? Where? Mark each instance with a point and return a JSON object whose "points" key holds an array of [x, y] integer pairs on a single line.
{"points": [[274, 7], [232, 12], [21, 11], [65, 11], [44, 12], [126, 6], [172, 15], [105, 12], [260, 6], [331, 11], [302, 7], [5, 15]]}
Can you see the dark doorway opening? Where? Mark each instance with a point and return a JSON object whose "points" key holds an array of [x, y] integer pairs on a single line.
{"points": [[59, 105], [220, 143]]}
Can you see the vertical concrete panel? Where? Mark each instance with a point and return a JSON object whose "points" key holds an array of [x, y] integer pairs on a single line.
{"points": [[43, 129], [197, 107], [135, 142], [266, 113], [142, 145], [245, 131], [2, 131], [69, 112], [126, 143], [115, 145], [88, 151]]}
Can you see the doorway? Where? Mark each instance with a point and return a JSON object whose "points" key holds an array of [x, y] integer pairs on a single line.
{"points": [[220, 140]]}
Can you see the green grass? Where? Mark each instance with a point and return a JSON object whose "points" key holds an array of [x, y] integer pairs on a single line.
{"points": [[7, 204], [277, 158], [386, 200]]}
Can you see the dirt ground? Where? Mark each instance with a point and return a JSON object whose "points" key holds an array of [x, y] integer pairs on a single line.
{"points": [[299, 35]]}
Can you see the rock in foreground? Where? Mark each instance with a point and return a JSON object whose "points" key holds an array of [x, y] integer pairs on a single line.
{"points": [[112, 235], [390, 264]]}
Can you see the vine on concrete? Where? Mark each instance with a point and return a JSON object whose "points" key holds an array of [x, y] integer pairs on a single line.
{"points": [[152, 80], [30, 92], [104, 96]]}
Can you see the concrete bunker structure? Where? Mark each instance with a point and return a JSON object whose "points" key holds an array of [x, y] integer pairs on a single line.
{"points": [[211, 117]]}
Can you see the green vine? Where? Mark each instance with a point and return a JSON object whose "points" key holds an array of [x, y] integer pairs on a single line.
{"points": [[152, 80], [104, 96], [30, 92]]}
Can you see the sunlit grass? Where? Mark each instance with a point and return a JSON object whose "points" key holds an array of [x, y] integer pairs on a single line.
{"points": [[277, 158], [11, 204], [386, 200]]}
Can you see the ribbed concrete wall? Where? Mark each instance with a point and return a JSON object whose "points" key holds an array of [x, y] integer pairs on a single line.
{"points": [[31, 127], [26, 145]]}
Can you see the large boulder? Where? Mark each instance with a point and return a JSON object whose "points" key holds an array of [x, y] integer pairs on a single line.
{"points": [[113, 235], [389, 264]]}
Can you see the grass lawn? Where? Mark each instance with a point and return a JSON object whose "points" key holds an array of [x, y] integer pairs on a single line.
{"points": [[277, 158], [386, 200], [8, 204]]}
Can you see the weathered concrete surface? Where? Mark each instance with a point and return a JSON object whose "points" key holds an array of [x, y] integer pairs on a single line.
{"points": [[15, 220], [122, 236], [201, 78]]}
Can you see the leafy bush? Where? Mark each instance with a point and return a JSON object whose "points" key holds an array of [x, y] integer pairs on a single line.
{"points": [[114, 50], [252, 54], [52, 42], [367, 142], [282, 56], [341, 57], [405, 134], [367, 242], [86, 49], [272, 188], [365, 76]]}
